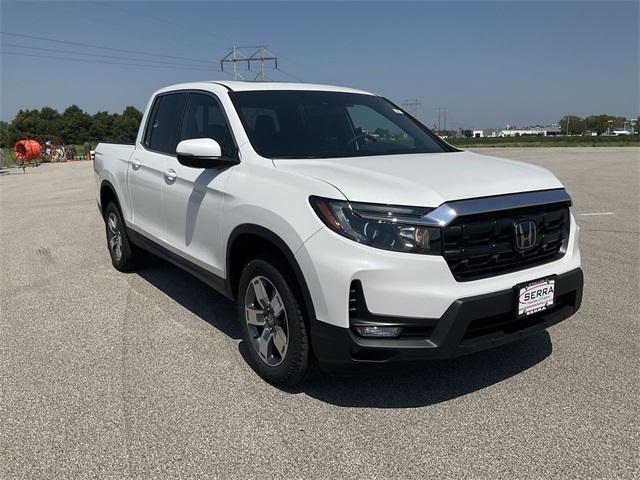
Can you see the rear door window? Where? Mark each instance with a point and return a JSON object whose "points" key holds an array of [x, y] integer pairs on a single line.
{"points": [[163, 131]]}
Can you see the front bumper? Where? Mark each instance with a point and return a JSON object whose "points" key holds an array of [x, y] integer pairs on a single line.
{"points": [[469, 325], [400, 284]]}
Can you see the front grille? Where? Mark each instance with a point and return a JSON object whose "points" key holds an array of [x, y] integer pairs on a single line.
{"points": [[482, 245]]}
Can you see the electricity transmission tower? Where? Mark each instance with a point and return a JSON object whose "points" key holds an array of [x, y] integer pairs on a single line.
{"points": [[442, 115], [240, 55], [412, 106]]}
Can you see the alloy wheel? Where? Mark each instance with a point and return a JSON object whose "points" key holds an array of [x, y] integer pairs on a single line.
{"points": [[115, 236], [266, 321]]}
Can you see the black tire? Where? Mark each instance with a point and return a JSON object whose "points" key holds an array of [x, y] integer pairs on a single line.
{"points": [[298, 363], [128, 256]]}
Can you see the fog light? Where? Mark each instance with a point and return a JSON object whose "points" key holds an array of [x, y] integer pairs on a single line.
{"points": [[379, 331]]}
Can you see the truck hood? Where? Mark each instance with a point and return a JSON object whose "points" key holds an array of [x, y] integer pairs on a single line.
{"points": [[426, 180]]}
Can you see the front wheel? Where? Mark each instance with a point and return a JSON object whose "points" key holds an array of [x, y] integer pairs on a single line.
{"points": [[273, 325]]}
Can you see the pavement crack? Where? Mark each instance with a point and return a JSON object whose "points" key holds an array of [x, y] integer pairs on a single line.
{"points": [[45, 254], [126, 392], [608, 230]]}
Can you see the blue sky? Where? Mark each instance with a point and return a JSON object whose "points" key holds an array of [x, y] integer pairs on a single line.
{"points": [[487, 63]]}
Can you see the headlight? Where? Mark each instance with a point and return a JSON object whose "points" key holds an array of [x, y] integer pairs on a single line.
{"points": [[380, 226]]}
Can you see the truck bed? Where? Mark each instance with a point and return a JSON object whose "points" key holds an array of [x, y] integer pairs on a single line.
{"points": [[119, 151], [111, 163]]}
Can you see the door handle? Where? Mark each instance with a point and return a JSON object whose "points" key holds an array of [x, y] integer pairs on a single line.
{"points": [[170, 175], [135, 164]]}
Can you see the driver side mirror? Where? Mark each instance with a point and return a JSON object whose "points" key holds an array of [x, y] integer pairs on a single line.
{"points": [[203, 153]]}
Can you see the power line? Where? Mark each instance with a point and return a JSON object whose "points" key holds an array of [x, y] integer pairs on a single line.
{"points": [[66, 13], [198, 31], [290, 75], [146, 16], [13, 45], [80, 44], [172, 23], [308, 67], [22, 54], [138, 52]]}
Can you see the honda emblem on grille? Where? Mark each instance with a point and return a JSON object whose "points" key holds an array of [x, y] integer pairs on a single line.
{"points": [[525, 235]]}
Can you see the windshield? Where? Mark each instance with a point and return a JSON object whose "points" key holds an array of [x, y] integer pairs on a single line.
{"points": [[316, 124]]}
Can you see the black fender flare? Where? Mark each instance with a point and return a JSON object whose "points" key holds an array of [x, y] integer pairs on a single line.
{"points": [[281, 245], [107, 184]]}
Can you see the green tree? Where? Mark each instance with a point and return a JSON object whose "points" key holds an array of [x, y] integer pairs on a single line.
{"points": [[101, 125], [5, 135], [24, 124], [48, 121], [75, 125], [601, 123], [125, 126], [576, 125]]}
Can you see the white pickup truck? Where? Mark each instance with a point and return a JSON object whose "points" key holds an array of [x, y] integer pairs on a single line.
{"points": [[348, 233]]}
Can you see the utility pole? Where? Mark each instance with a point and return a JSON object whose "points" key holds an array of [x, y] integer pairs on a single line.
{"points": [[256, 53], [412, 106], [442, 115]]}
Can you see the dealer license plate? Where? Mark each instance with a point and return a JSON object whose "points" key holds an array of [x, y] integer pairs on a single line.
{"points": [[536, 296]]}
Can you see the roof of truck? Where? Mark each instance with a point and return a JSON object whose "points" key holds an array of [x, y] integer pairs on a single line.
{"points": [[239, 86]]}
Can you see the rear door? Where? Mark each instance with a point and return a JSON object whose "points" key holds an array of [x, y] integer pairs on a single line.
{"points": [[148, 167], [193, 197]]}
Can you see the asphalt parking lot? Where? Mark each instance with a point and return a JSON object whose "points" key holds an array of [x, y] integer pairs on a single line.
{"points": [[141, 375]]}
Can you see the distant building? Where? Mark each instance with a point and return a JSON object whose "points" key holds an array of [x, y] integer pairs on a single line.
{"points": [[545, 131], [629, 127], [478, 134]]}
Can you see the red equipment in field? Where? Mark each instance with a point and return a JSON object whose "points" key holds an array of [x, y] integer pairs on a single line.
{"points": [[36, 149], [27, 150]]}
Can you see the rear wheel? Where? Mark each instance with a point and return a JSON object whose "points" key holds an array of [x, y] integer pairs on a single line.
{"points": [[124, 255], [273, 324]]}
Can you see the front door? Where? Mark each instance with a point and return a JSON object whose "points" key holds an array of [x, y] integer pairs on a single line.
{"points": [[193, 197]]}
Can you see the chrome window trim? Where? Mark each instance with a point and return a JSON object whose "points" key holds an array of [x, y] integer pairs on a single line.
{"points": [[449, 211]]}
